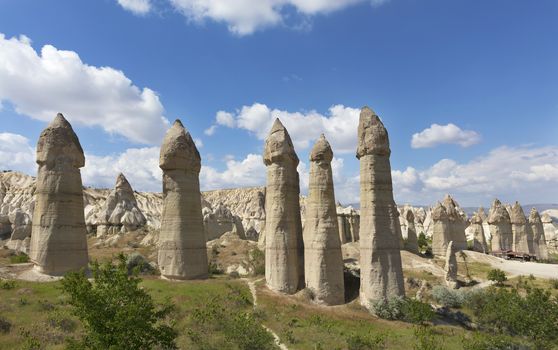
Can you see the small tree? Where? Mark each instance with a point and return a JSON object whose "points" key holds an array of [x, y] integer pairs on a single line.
{"points": [[497, 276], [115, 311]]}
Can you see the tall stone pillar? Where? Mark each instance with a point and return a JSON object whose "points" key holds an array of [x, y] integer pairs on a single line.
{"points": [[539, 241], [412, 240], [456, 224], [182, 250], [440, 231], [284, 251], [450, 267], [58, 237], [323, 259], [500, 227], [381, 272], [522, 236], [479, 240]]}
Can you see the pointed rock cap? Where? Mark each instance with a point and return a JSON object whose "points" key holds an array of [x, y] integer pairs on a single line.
{"points": [[482, 213], [476, 218], [409, 215], [498, 213], [517, 216], [439, 212], [59, 143], [321, 150], [178, 150], [123, 184], [279, 146], [372, 135], [451, 207], [534, 217]]}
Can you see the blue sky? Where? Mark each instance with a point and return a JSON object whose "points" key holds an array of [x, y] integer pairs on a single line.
{"points": [[485, 72]]}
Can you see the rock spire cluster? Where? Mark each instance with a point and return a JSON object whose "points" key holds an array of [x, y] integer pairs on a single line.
{"points": [[500, 227]]}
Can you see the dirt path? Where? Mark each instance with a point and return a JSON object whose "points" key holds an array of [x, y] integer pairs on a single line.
{"points": [[252, 287], [516, 268]]}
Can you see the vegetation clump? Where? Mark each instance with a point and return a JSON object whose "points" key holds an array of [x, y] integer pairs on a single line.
{"points": [[403, 309], [498, 276]]}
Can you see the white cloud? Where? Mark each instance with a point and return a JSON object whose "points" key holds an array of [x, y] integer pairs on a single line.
{"points": [[444, 134], [138, 7], [339, 126], [16, 153], [248, 172], [40, 85], [211, 130], [247, 16]]}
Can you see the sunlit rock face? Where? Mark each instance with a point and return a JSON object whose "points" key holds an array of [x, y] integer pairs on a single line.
{"points": [[539, 241], [500, 227], [284, 248], [440, 230], [182, 249], [58, 238], [323, 260], [456, 223], [477, 232], [522, 235], [381, 275]]}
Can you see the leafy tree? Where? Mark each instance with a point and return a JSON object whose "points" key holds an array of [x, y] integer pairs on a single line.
{"points": [[116, 313], [497, 276]]}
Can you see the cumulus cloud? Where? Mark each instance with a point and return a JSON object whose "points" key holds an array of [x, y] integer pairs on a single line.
{"points": [[339, 126], [138, 7], [16, 153], [41, 84], [444, 134], [247, 16]]}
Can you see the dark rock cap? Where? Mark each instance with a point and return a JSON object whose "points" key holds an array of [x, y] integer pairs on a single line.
{"points": [[59, 143], [279, 146], [178, 150], [372, 135], [321, 150]]}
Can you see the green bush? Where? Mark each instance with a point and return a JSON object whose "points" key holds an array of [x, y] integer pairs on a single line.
{"points": [[5, 325], [448, 297], [7, 284], [19, 258], [115, 311], [425, 339], [404, 309], [361, 342], [554, 283], [483, 341], [497, 276], [257, 262]]}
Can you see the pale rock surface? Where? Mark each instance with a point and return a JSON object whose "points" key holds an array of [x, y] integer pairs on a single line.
{"points": [[412, 240], [500, 227], [284, 247], [21, 225], [182, 251], [477, 230], [59, 236], [485, 226], [522, 234], [348, 221], [323, 260], [380, 232], [450, 267], [550, 230], [219, 220], [440, 227], [539, 241], [456, 223]]}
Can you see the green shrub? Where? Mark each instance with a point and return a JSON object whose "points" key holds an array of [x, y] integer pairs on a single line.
{"points": [[497, 276], [5, 325], [115, 311], [425, 339], [361, 342], [19, 258], [404, 309], [448, 297], [7, 284], [257, 262], [483, 341], [554, 283]]}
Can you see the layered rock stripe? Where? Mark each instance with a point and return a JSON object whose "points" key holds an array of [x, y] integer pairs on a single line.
{"points": [[284, 250], [182, 250], [380, 231], [500, 227], [440, 232], [522, 234], [539, 241], [477, 228], [456, 223], [323, 259], [58, 237]]}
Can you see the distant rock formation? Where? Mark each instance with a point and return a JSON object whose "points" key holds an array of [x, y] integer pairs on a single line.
{"points": [[323, 260], [456, 223], [450, 267], [119, 213], [500, 227], [348, 221], [539, 241], [522, 236], [284, 249], [440, 227], [182, 249], [219, 220], [381, 272], [411, 233], [477, 230], [59, 236]]}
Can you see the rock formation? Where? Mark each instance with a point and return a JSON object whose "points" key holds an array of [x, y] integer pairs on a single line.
{"points": [[485, 227], [500, 227], [182, 250], [119, 213], [21, 226], [479, 241], [456, 223], [539, 241], [323, 260], [58, 238], [219, 220], [440, 230], [450, 267], [348, 220], [412, 240], [284, 250], [550, 232], [522, 236], [381, 273]]}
